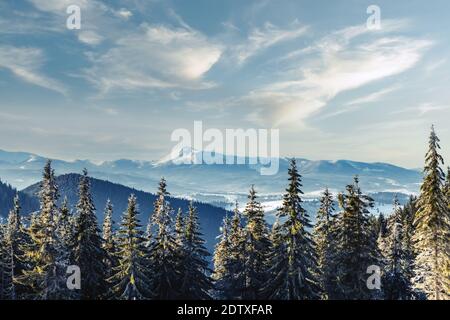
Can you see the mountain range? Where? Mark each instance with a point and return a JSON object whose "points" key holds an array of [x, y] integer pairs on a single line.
{"points": [[222, 184]]}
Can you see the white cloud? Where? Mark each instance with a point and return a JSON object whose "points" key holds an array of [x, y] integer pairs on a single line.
{"points": [[336, 64], [423, 109], [373, 97], [155, 57], [260, 39], [90, 37], [25, 63], [124, 13], [430, 107]]}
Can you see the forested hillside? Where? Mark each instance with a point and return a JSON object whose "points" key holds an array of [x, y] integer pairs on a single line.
{"points": [[346, 254]]}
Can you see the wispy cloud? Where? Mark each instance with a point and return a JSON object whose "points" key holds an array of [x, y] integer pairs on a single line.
{"points": [[25, 63], [423, 109], [335, 64], [260, 39], [373, 97], [155, 56]]}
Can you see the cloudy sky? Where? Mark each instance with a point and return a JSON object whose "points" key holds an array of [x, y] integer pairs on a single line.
{"points": [[139, 69]]}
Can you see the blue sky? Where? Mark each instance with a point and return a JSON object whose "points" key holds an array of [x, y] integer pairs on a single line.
{"points": [[137, 70]]}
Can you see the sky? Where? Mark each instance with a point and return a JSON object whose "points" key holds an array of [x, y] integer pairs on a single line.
{"points": [[137, 70]]}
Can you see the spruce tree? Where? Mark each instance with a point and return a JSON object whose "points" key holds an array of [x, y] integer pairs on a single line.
{"points": [[355, 244], [109, 240], [195, 282], [65, 228], [396, 284], [221, 257], [432, 234], [236, 260], [408, 214], [294, 264], [325, 244], [256, 248], [45, 278], [276, 258], [131, 280], [164, 253], [15, 240], [89, 255]]}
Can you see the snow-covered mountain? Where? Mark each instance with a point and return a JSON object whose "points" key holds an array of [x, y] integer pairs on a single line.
{"points": [[219, 184]]}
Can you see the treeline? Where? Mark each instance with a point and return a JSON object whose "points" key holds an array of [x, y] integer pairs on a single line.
{"points": [[342, 256]]}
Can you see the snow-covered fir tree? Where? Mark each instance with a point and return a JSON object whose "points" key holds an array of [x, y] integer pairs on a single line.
{"points": [[276, 258], [221, 274], [15, 240], [256, 247], [235, 263], [432, 234], [293, 264], [131, 277], [195, 282], [324, 241], [396, 284], [164, 254], [408, 213], [65, 227], [109, 239], [383, 234], [88, 253], [45, 278], [356, 247]]}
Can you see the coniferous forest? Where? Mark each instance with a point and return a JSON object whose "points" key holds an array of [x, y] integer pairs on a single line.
{"points": [[341, 257]]}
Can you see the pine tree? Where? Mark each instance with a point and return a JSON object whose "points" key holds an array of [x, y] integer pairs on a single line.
{"points": [[408, 214], [382, 231], [15, 239], [109, 240], [164, 256], [276, 258], [65, 228], [221, 256], [46, 257], [325, 246], [355, 244], [256, 248], [236, 277], [396, 282], [432, 223], [195, 283], [89, 255], [131, 281], [294, 263]]}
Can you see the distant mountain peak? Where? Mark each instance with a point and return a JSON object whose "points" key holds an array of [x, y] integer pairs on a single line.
{"points": [[181, 156]]}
